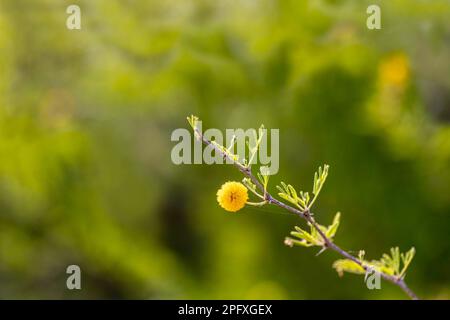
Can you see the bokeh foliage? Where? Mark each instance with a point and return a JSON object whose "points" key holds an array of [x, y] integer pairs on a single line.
{"points": [[86, 116]]}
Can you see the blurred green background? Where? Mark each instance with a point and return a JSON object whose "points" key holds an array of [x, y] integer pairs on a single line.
{"points": [[86, 116]]}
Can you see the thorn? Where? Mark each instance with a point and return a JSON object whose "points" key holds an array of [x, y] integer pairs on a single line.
{"points": [[321, 250]]}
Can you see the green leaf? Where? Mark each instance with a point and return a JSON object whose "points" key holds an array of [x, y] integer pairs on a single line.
{"points": [[406, 259], [304, 235], [347, 265], [192, 121], [319, 180], [288, 192], [292, 191], [361, 255], [331, 231], [313, 238], [263, 176]]}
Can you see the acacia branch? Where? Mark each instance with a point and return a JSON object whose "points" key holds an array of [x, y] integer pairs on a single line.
{"points": [[306, 214]]}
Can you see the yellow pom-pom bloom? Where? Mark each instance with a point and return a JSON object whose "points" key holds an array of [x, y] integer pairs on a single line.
{"points": [[232, 196]]}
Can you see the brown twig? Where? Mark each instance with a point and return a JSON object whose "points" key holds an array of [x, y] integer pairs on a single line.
{"points": [[328, 244]]}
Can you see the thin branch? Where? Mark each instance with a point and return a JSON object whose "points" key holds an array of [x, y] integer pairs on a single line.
{"points": [[328, 243]]}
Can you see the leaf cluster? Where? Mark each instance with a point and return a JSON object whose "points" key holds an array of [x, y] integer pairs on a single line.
{"points": [[393, 264], [301, 199], [313, 238]]}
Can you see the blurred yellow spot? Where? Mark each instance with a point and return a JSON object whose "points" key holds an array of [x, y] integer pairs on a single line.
{"points": [[394, 70], [232, 196]]}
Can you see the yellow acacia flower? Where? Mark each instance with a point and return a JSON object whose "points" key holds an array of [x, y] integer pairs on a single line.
{"points": [[394, 70], [232, 196]]}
